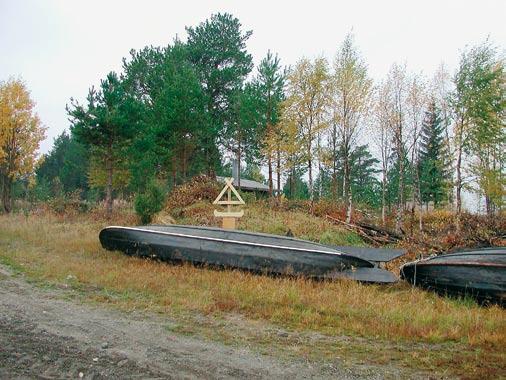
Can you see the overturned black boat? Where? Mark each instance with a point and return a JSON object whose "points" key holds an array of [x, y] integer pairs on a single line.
{"points": [[257, 252], [480, 274]]}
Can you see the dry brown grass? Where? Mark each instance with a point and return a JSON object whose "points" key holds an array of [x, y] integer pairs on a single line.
{"points": [[63, 251], [259, 217]]}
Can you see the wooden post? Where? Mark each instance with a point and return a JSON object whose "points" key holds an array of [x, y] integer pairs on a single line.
{"points": [[229, 223]]}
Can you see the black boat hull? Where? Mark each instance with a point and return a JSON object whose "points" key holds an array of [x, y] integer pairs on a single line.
{"points": [[261, 253], [478, 274]]}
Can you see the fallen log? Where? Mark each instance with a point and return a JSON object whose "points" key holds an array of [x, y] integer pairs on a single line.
{"points": [[372, 234]]}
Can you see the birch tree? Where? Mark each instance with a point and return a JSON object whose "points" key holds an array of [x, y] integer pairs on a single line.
{"points": [[416, 102], [351, 88], [305, 105], [488, 133], [397, 87], [20, 135], [382, 132], [461, 102]]}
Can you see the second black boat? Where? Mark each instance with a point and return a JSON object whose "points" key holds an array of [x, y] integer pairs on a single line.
{"points": [[480, 274]]}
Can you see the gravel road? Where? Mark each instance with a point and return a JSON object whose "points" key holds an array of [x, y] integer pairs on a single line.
{"points": [[43, 335]]}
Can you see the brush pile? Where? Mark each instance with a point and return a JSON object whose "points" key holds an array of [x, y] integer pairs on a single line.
{"points": [[200, 188]]}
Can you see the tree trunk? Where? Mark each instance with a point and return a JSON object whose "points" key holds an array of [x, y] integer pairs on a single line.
{"points": [[383, 197], [269, 164], [400, 205], [278, 169], [347, 187], [417, 198], [334, 182], [310, 170], [290, 193], [350, 207], [6, 194], [108, 189], [420, 205], [174, 172], [334, 162], [458, 182], [185, 163], [239, 167]]}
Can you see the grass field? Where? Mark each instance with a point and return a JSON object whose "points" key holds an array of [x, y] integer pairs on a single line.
{"points": [[323, 319]]}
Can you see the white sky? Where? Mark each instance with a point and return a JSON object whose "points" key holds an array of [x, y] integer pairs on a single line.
{"points": [[61, 48]]}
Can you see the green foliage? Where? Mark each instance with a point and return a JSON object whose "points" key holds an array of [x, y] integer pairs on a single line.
{"points": [[67, 161], [295, 187], [270, 81], [217, 49], [393, 176], [487, 137], [365, 186], [174, 117], [175, 112], [149, 202], [433, 169], [253, 172], [42, 190], [478, 104], [242, 135], [105, 126]]}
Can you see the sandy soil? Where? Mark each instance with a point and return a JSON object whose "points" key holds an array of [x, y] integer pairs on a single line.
{"points": [[45, 336]]}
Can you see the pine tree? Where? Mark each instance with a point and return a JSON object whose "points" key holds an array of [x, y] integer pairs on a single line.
{"points": [[217, 49], [433, 174], [106, 127], [271, 82]]}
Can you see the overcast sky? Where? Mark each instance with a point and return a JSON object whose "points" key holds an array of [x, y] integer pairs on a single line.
{"points": [[61, 48]]}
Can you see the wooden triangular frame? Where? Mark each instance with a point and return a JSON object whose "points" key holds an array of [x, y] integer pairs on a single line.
{"points": [[229, 216], [229, 202]]}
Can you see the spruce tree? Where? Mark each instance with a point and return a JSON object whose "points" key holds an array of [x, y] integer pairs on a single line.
{"points": [[67, 161], [433, 174]]}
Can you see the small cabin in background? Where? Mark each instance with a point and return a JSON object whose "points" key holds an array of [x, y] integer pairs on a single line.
{"points": [[248, 185]]}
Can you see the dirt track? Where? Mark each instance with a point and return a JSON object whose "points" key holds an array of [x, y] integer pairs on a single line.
{"points": [[45, 336]]}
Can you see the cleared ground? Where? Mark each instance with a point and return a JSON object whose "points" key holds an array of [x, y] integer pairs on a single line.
{"points": [[43, 334]]}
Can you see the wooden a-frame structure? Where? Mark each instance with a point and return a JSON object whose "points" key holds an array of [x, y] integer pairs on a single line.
{"points": [[229, 216]]}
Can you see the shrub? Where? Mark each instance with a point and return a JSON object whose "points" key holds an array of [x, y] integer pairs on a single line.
{"points": [[70, 203], [149, 202]]}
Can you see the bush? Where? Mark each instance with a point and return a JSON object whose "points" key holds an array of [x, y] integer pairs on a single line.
{"points": [[70, 203], [149, 202]]}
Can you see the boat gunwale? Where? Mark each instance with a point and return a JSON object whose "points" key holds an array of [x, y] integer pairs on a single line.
{"points": [[242, 232], [336, 253], [457, 263]]}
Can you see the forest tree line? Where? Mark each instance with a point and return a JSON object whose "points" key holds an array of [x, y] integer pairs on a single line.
{"points": [[322, 129]]}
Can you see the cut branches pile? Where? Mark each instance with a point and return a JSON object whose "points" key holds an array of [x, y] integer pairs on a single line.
{"points": [[374, 235]]}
